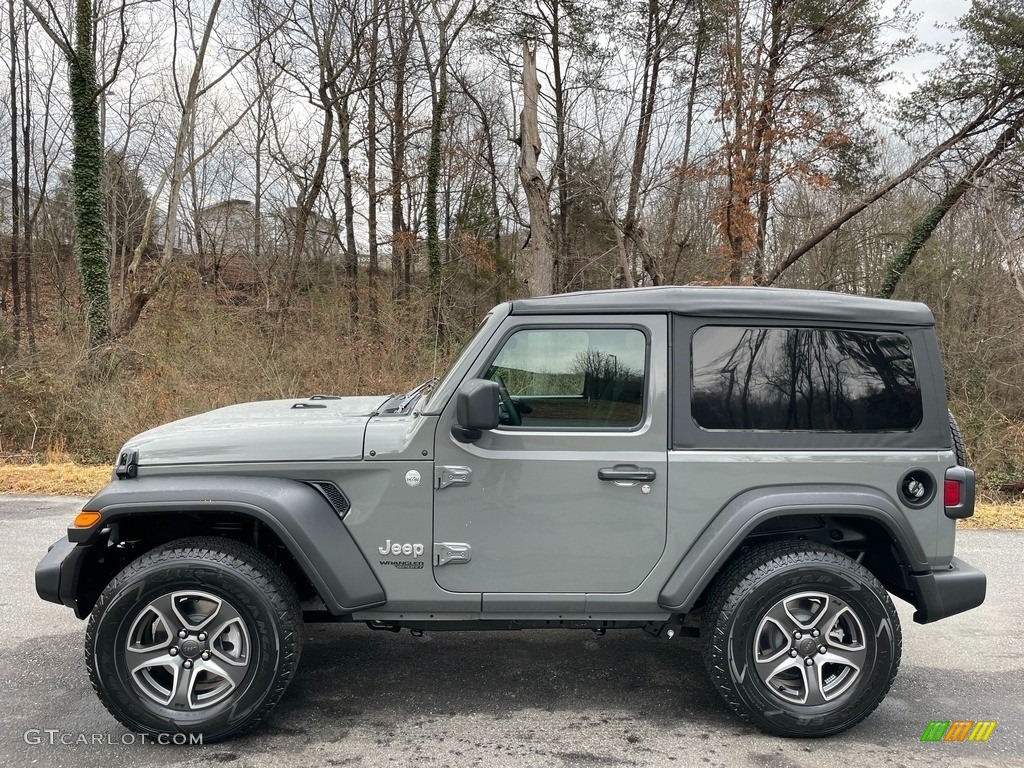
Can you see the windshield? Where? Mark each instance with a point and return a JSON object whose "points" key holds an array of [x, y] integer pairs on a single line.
{"points": [[439, 393]]}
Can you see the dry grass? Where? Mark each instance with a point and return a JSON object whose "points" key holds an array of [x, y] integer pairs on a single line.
{"points": [[996, 516], [70, 479], [194, 354], [63, 479]]}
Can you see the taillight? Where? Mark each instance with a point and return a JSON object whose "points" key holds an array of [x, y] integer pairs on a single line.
{"points": [[951, 493], [958, 493]]}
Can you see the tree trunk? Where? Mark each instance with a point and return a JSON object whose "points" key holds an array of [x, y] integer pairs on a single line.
{"points": [[563, 267], [631, 234], [306, 202], [763, 145], [141, 291], [493, 181], [401, 246], [15, 249], [371, 159], [919, 236], [673, 247], [736, 213], [541, 254], [87, 178], [257, 245], [27, 219], [351, 253], [434, 162], [881, 191]]}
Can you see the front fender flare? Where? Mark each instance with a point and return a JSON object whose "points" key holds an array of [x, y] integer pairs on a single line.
{"points": [[298, 514], [734, 522]]}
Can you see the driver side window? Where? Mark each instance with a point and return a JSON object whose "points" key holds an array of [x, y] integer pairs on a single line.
{"points": [[590, 378]]}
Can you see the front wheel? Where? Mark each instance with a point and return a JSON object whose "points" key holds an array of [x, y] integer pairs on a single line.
{"points": [[800, 640], [200, 636]]}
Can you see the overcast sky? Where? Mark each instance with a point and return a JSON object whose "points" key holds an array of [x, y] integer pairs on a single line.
{"points": [[933, 13]]}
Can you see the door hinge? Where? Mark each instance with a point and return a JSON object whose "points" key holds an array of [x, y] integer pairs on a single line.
{"points": [[445, 476], [449, 552]]}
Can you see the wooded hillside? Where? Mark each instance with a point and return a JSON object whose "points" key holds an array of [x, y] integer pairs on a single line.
{"points": [[206, 201]]}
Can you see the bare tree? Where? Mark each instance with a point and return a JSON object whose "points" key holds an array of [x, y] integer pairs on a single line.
{"points": [[199, 32], [85, 89], [541, 254], [445, 27], [661, 40], [15, 255]]}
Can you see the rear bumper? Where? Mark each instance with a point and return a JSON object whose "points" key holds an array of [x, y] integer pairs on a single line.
{"points": [[58, 572], [944, 593]]}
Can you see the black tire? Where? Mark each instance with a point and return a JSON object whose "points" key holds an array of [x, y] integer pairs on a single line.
{"points": [[220, 681], [797, 576], [958, 441]]}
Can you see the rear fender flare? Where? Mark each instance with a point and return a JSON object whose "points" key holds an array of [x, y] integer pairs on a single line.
{"points": [[737, 519]]}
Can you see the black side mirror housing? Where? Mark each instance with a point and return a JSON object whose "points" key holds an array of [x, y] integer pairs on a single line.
{"points": [[476, 409]]}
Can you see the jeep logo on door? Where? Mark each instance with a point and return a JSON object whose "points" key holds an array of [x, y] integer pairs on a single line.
{"points": [[389, 548]]}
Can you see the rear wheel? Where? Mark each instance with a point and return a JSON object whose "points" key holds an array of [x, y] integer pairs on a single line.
{"points": [[800, 640], [200, 636]]}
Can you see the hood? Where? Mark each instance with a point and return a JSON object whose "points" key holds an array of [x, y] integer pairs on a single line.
{"points": [[273, 430]]}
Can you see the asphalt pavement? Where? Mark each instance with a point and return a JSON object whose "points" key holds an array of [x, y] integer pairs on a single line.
{"points": [[529, 698]]}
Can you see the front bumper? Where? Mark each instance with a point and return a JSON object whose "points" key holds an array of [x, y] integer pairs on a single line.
{"points": [[58, 573], [944, 593]]}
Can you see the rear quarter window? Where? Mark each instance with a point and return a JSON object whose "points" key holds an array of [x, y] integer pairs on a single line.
{"points": [[803, 379]]}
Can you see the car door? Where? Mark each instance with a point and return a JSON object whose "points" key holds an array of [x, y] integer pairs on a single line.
{"points": [[568, 495]]}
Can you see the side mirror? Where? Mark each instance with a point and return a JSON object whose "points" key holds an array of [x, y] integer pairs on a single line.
{"points": [[476, 409]]}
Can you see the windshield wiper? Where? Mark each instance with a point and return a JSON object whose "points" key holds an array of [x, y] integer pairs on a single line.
{"points": [[412, 395]]}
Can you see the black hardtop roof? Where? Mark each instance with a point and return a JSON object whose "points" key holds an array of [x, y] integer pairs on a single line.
{"points": [[733, 302]]}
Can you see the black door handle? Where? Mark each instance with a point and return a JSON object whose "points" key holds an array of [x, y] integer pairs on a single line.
{"points": [[626, 472]]}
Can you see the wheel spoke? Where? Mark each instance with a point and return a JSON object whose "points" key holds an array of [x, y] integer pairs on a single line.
{"points": [[163, 606], [852, 635], [800, 603], [181, 689], [814, 693], [773, 652], [225, 615], [770, 669], [847, 657], [782, 618], [181, 599], [142, 658], [829, 615], [229, 640], [232, 674]]}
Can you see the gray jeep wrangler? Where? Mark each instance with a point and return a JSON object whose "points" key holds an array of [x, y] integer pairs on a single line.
{"points": [[761, 468]]}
